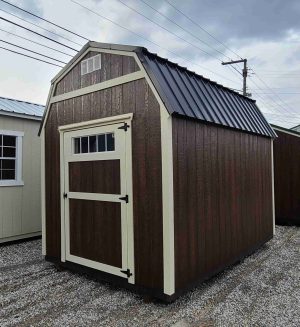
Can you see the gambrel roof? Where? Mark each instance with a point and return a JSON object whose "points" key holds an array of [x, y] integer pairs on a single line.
{"points": [[191, 95]]}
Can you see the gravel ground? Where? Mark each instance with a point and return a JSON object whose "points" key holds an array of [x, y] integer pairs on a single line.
{"points": [[264, 290]]}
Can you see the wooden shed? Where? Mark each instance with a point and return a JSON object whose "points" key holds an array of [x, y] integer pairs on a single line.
{"points": [[287, 176], [20, 173], [155, 178]]}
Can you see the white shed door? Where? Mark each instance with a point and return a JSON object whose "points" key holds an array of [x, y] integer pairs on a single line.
{"points": [[96, 199]]}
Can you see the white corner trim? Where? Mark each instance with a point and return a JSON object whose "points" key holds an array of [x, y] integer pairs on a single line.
{"points": [[98, 87], [167, 188], [43, 176], [96, 122], [43, 192], [168, 202], [273, 186]]}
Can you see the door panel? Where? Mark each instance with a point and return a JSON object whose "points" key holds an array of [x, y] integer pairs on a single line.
{"points": [[102, 176], [94, 226], [95, 223]]}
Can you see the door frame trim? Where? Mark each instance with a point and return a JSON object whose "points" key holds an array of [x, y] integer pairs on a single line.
{"points": [[127, 118]]}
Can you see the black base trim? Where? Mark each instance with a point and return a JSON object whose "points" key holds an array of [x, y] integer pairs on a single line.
{"points": [[151, 294], [214, 273], [287, 221], [148, 293]]}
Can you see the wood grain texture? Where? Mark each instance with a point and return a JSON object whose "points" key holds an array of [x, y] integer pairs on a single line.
{"points": [[112, 66], [222, 197], [101, 176], [287, 178], [95, 231], [137, 98]]}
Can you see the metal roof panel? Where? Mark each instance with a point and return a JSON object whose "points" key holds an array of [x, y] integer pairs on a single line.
{"points": [[189, 94], [21, 107]]}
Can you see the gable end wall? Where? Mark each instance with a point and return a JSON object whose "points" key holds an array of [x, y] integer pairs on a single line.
{"points": [[133, 97]]}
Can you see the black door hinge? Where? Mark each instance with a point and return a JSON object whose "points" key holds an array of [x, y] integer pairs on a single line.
{"points": [[125, 198], [125, 127], [65, 195], [127, 272]]}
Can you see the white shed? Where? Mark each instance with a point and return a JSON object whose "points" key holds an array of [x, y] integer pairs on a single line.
{"points": [[20, 176]]}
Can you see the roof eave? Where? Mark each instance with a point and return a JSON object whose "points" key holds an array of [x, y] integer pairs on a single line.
{"points": [[19, 115]]}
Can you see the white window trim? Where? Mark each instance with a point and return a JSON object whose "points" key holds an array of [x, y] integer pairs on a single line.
{"points": [[19, 152]]}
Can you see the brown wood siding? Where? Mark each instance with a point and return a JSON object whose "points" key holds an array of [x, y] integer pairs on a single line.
{"points": [[222, 197], [101, 176], [112, 66], [137, 98], [95, 231], [287, 178]]}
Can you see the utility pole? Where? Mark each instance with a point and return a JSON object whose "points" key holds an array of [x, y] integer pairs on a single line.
{"points": [[245, 73]]}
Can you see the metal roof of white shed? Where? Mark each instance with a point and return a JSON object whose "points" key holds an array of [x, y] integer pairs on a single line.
{"points": [[20, 108]]}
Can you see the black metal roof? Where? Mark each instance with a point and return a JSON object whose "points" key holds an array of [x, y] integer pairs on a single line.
{"points": [[191, 95]]}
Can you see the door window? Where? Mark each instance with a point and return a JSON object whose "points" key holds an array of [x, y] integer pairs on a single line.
{"points": [[94, 143]]}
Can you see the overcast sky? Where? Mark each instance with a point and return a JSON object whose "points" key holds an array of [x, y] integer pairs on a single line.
{"points": [[266, 32]]}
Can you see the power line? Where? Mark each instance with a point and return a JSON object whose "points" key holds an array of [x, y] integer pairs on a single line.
{"points": [[40, 54], [40, 44], [167, 30], [272, 99], [279, 88], [23, 54], [276, 71], [278, 77], [267, 86], [195, 23], [203, 29], [184, 29], [283, 115], [179, 37], [46, 37], [291, 119], [45, 29], [144, 38], [45, 20], [279, 93]]}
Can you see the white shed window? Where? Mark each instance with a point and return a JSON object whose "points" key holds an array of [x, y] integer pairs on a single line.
{"points": [[11, 158], [91, 64]]}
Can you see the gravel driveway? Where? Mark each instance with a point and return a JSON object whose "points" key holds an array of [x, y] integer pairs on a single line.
{"points": [[264, 290]]}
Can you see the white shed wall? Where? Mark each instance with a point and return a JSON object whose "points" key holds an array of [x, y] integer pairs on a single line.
{"points": [[20, 206]]}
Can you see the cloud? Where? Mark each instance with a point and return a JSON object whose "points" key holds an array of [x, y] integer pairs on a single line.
{"points": [[267, 33], [32, 5]]}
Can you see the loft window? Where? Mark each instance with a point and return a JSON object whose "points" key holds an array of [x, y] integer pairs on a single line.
{"points": [[94, 143], [10, 158], [91, 64]]}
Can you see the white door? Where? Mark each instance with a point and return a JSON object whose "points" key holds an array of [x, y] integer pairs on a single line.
{"points": [[97, 198]]}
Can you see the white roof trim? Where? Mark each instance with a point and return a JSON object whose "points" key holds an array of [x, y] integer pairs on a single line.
{"points": [[18, 115], [294, 133]]}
